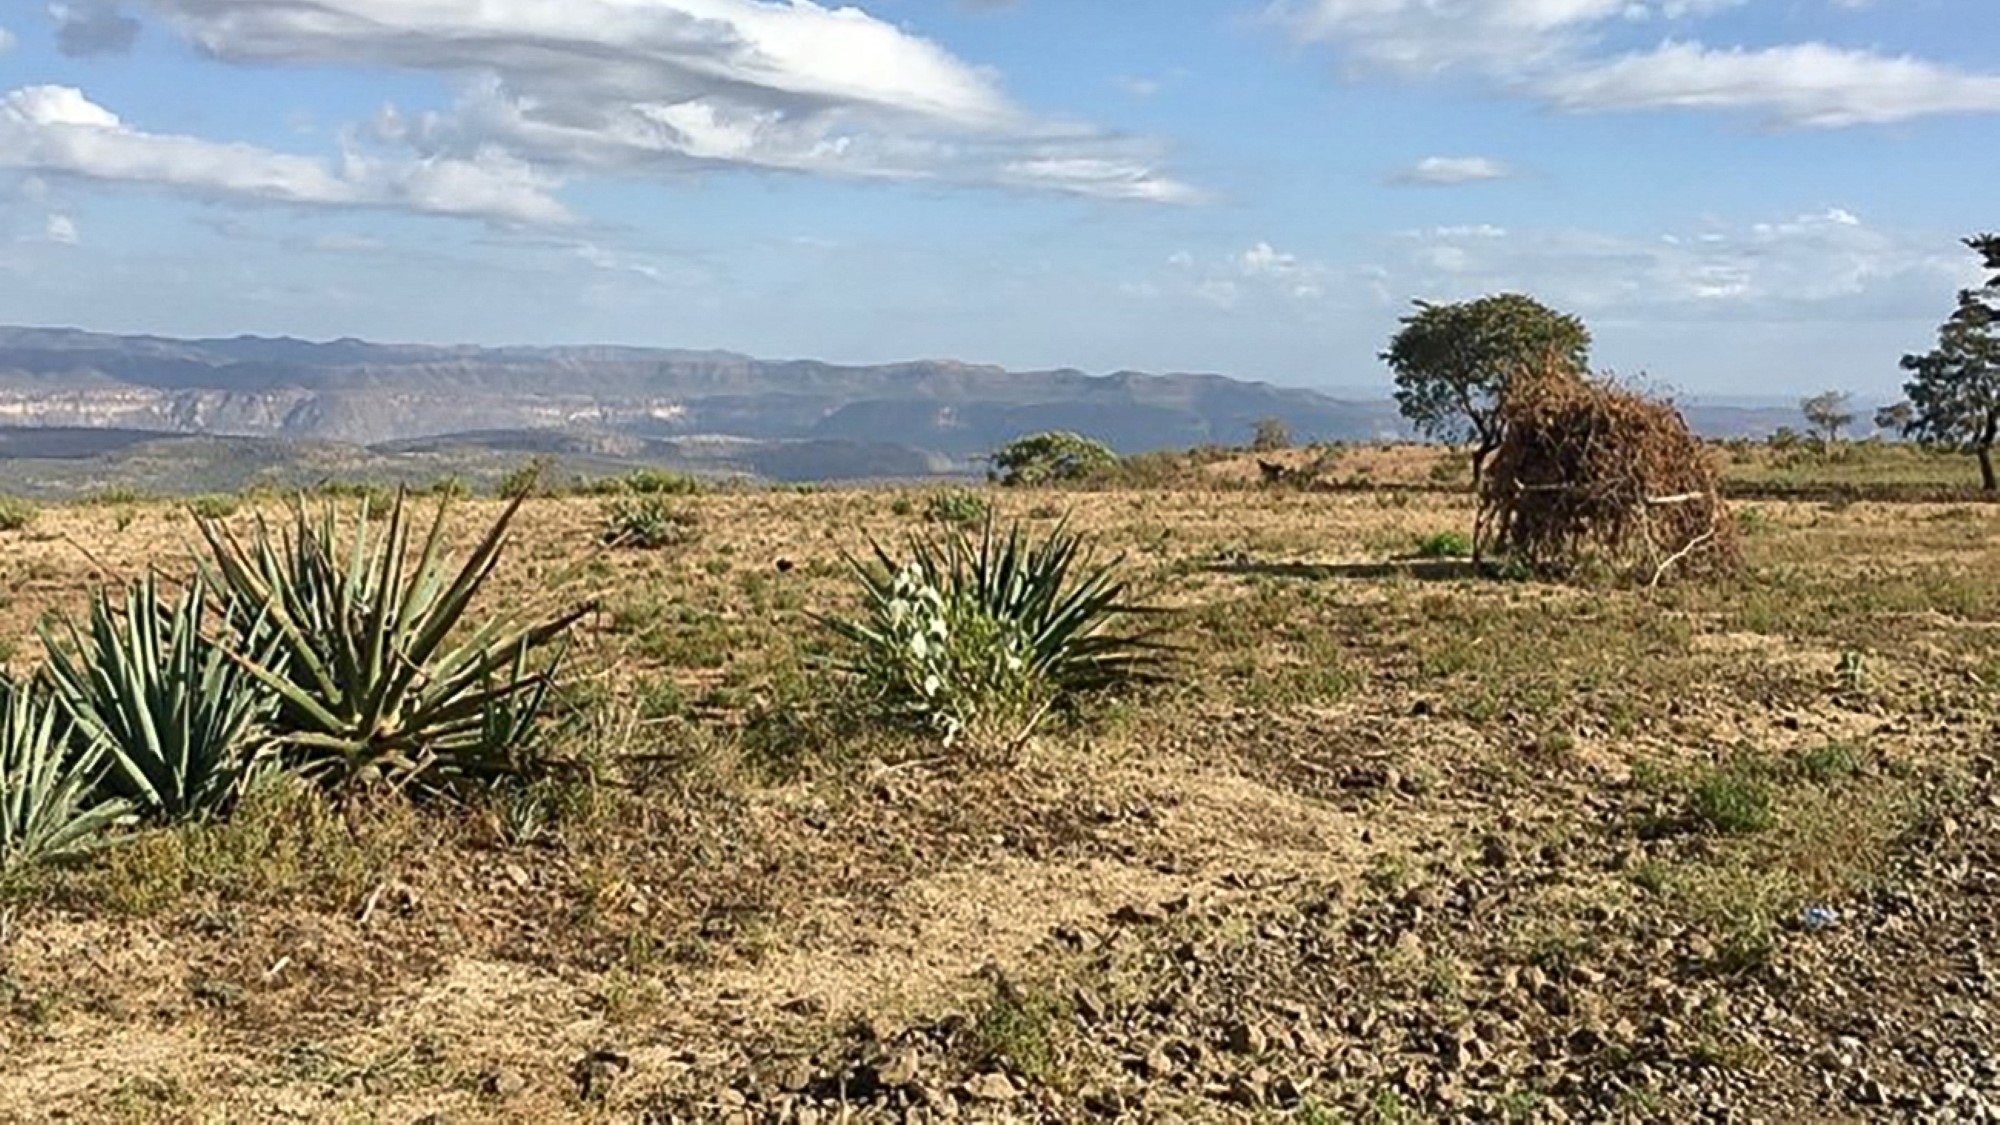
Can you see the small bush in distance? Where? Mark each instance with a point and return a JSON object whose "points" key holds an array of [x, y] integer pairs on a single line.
{"points": [[647, 522], [954, 506], [174, 713], [47, 807], [979, 637], [1445, 545], [16, 514], [1270, 436], [1054, 457], [378, 671], [213, 507]]}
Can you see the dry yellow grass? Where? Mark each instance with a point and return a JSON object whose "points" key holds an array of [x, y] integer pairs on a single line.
{"points": [[1346, 725]]}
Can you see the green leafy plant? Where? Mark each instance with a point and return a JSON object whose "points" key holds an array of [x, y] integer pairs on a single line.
{"points": [[980, 636], [1051, 458], [176, 714], [47, 810], [647, 521], [956, 505], [1445, 545], [376, 669]]}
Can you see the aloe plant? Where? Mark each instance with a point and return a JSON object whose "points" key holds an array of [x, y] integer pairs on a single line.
{"points": [[47, 810], [992, 630], [377, 670], [175, 712]]}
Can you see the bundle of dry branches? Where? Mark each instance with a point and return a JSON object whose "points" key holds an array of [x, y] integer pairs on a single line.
{"points": [[1591, 474]]}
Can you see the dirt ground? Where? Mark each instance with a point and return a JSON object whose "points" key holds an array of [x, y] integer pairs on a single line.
{"points": [[1394, 843]]}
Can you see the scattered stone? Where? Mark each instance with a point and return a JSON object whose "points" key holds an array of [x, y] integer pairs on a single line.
{"points": [[504, 1083], [991, 1087]]}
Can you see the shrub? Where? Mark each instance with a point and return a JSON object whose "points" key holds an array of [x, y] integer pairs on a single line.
{"points": [[660, 482], [213, 507], [1271, 435], [46, 808], [1051, 458], [528, 480], [16, 514], [958, 505], [1734, 799], [173, 711], [979, 637], [648, 522], [378, 673], [1445, 545]]}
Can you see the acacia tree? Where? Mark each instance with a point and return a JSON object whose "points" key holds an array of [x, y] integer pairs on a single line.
{"points": [[1895, 418], [1954, 388], [1829, 412], [1454, 363]]}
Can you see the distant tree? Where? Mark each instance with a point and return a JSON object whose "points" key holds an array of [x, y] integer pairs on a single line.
{"points": [[1454, 363], [1829, 412], [1271, 435], [1954, 388], [1050, 458], [1895, 418]]}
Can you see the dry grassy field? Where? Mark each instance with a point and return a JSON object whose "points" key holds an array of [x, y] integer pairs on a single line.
{"points": [[1390, 843]]}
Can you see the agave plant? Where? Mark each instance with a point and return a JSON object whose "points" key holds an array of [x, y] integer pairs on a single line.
{"points": [[987, 633], [178, 716], [377, 671], [46, 783]]}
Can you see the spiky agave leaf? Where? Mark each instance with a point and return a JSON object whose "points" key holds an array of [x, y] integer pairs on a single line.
{"points": [[177, 717], [379, 671], [47, 810]]}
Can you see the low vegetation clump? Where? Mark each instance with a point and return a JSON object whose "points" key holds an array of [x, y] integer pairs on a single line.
{"points": [[978, 637], [214, 506], [956, 506], [1444, 545], [1055, 457], [647, 521], [15, 514]]}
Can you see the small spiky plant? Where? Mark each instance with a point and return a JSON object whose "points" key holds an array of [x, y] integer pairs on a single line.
{"points": [[178, 716], [377, 671], [983, 635], [47, 810]]}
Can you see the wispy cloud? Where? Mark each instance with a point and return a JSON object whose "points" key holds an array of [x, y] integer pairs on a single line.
{"points": [[1437, 170], [1556, 51], [645, 88]]}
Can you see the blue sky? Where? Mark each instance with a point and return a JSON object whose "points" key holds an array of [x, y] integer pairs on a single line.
{"points": [[1741, 196]]}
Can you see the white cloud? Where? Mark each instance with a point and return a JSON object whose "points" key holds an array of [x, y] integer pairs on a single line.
{"points": [[1453, 170], [1828, 265], [1808, 84], [61, 230], [6, 41], [648, 87], [1556, 51], [56, 130]]}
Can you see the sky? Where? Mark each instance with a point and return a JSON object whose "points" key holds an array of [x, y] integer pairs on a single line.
{"points": [[1741, 197]]}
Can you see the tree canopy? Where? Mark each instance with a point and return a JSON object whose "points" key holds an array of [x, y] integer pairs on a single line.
{"points": [[1454, 363], [1954, 389], [1829, 412], [1049, 458]]}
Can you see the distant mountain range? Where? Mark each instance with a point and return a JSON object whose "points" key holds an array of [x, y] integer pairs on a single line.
{"points": [[398, 409]]}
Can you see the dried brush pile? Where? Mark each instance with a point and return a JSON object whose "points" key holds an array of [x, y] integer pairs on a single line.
{"points": [[1592, 475]]}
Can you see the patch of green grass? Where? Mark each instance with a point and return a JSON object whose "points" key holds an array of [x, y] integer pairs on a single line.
{"points": [[285, 844], [1735, 799], [956, 506], [1444, 545], [16, 514], [1021, 1030]]}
